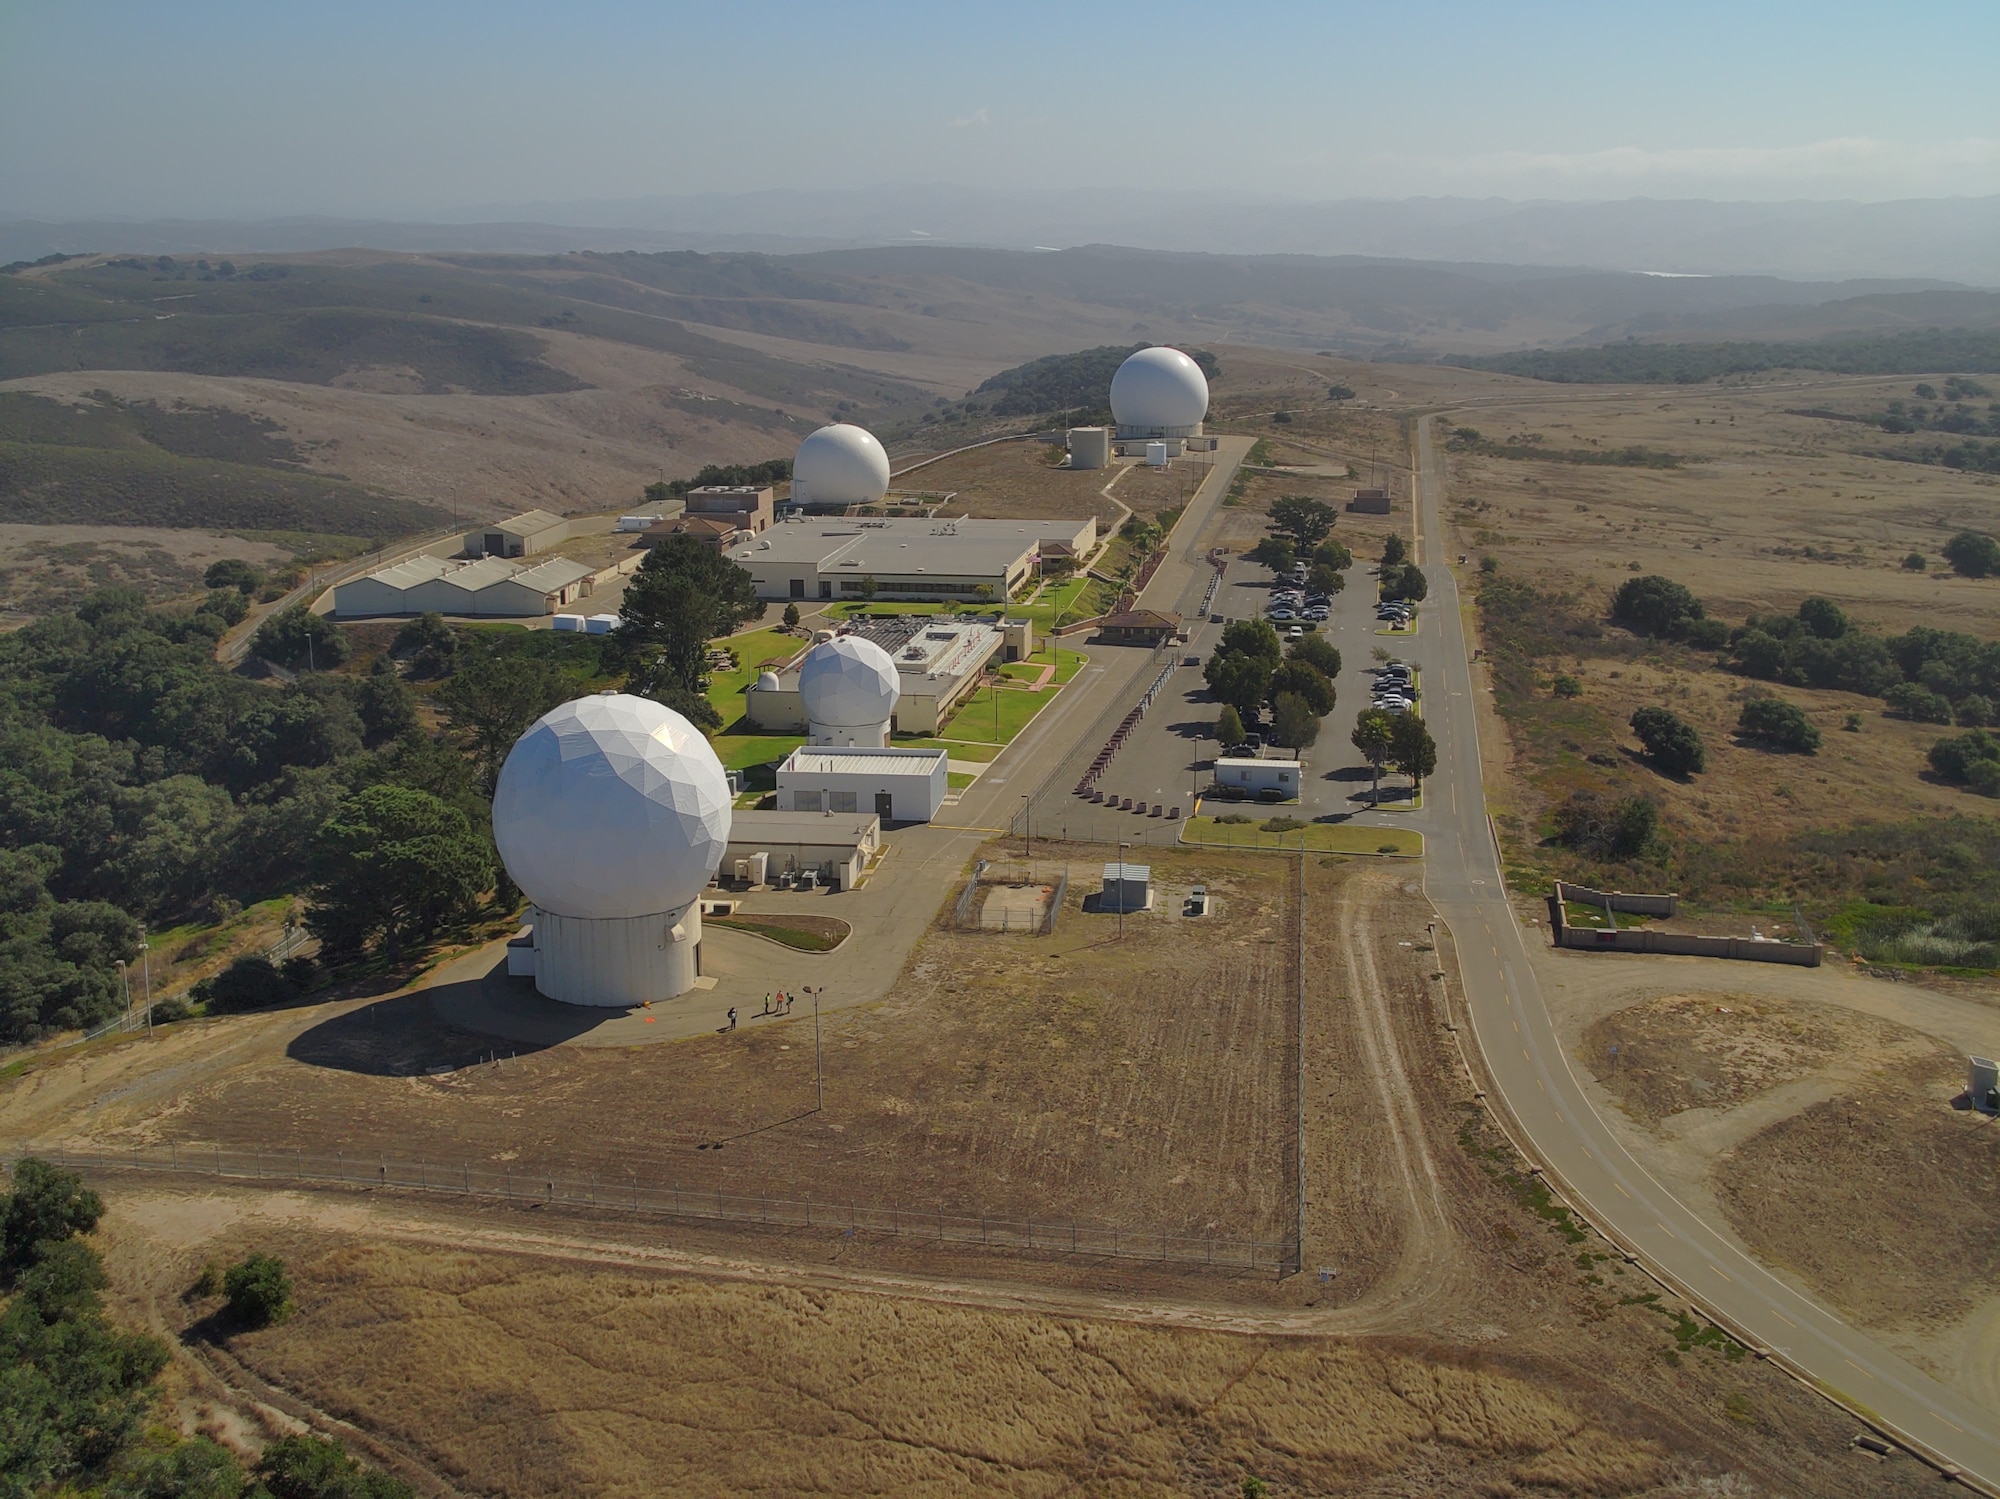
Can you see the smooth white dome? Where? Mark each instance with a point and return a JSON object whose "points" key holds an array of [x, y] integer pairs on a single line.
{"points": [[1159, 387], [840, 465], [849, 683], [611, 806], [768, 682]]}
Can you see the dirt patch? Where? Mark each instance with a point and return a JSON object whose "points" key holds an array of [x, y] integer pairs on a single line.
{"points": [[524, 1376], [1715, 1050], [1884, 1200]]}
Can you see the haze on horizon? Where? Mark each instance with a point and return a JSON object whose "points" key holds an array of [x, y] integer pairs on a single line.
{"points": [[371, 110]]}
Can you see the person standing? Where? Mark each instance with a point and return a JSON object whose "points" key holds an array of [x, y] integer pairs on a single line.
{"points": [[732, 1017]]}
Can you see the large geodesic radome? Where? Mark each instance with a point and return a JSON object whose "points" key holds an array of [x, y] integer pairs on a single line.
{"points": [[840, 464], [849, 683], [1159, 392], [611, 806]]}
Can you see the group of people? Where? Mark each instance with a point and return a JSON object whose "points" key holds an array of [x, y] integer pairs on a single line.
{"points": [[779, 1003]]}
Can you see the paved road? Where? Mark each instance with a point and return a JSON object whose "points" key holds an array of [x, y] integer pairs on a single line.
{"points": [[1532, 1074]]}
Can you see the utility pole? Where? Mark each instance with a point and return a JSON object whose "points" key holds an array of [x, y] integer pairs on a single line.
{"points": [[1121, 892], [819, 1067], [146, 970], [1028, 826]]}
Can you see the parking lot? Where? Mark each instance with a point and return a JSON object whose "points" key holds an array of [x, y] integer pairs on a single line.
{"points": [[1170, 754]]}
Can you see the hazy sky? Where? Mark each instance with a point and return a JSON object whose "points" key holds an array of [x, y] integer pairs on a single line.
{"points": [[201, 109]]}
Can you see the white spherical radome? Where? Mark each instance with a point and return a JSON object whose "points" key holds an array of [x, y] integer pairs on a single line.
{"points": [[849, 683], [768, 682], [611, 806], [841, 464], [1159, 388]]}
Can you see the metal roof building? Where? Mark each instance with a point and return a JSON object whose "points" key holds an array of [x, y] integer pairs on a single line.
{"points": [[519, 536], [490, 588]]}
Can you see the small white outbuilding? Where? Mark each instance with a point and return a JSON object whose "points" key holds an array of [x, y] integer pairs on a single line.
{"points": [[1253, 778]]}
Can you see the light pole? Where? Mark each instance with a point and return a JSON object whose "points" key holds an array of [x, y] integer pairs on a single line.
{"points": [[1121, 892], [146, 971], [125, 985], [1028, 825], [1194, 794]]}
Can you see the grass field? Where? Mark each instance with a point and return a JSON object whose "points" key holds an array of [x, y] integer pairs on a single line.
{"points": [[995, 715], [1319, 837]]}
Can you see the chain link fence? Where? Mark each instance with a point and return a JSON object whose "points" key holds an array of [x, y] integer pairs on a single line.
{"points": [[1064, 1236]]}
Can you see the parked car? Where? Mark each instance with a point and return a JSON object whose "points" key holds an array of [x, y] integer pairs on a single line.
{"points": [[1296, 632], [1282, 615], [1322, 612]]}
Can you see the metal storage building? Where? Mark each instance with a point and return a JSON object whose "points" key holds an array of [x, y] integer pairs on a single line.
{"points": [[1127, 887], [489, 588], [519, 536]]}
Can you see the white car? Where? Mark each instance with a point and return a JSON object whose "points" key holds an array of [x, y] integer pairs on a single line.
{"points": [[1395, 707], [1281, 614]]}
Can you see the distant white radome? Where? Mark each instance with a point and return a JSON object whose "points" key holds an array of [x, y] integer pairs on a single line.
{"points": [[1159, 392], [611, 807], [849, 683], [840, 465]]}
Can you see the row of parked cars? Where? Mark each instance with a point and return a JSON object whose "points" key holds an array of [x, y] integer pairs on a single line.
{"points": [[1290, 604], [1395, 688], [1395, 612]]}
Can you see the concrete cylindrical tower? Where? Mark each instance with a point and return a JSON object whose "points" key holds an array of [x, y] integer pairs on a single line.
{"points": [[611, 814], [849, 687]]}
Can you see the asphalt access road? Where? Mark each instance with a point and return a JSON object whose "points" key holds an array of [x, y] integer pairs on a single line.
{"points": [[1557, 1122]]}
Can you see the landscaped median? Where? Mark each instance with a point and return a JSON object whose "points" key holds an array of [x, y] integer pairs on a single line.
{"points": [[1312, 837], [803, 933]]}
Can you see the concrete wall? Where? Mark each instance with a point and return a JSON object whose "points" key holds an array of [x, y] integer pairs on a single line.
{"points": [[1619, 900], [1684, 944]]}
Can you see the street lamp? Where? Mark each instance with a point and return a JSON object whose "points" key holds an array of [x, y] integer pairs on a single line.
{"points": [[1121, 892], [819, 1069], [1028, 825]]}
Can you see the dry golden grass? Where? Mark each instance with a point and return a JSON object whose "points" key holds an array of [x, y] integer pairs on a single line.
{"points": [[520, 1377]]}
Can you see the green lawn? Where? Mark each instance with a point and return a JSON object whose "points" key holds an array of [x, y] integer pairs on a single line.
{"points": [[994, 715], [1077, 598], [1066, 663], [958, 780], [1577, 914], [740, 751], [1320, 837], [957, 750]]}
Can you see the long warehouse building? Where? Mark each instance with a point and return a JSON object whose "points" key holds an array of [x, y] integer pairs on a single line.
{"points": [[491, 587]]}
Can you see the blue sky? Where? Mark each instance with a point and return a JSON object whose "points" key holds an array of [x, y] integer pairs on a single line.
{"points": [[198, 109]]}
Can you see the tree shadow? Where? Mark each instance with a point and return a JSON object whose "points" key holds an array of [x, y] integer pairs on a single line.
{"points": [[1347, 773]]}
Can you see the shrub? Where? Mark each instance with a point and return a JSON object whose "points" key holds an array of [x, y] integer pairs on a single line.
{"points": [[1656, 606], [1975, 712], [1489, 565], [300, 639], [1284, 825], [233, 572], [1671, 742], [1852, 723], [167, 1011], [259, 1290], [1608, 829], [1916, 562], [1970, 759], [1708, 634], [1917, 703], [307, 1467], [1566, 686], [1779, 724], [1973, 554], [1234, 818]]}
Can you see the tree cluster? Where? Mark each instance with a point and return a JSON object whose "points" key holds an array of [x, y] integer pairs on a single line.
{"points": [[1973, 554], [683, 595], [1066, 382], [78, 1389], [1394, 741], [142, 781], [727, 475], [1250, 668], [1971, 759]]}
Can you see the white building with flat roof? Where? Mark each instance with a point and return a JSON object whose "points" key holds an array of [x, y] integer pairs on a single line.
{"points": [[950, 561], [1255, 778], [836, 848], [896, 785]]}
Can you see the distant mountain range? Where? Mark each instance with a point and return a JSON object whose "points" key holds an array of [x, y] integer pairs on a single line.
{"points": [[1937, 239]]}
